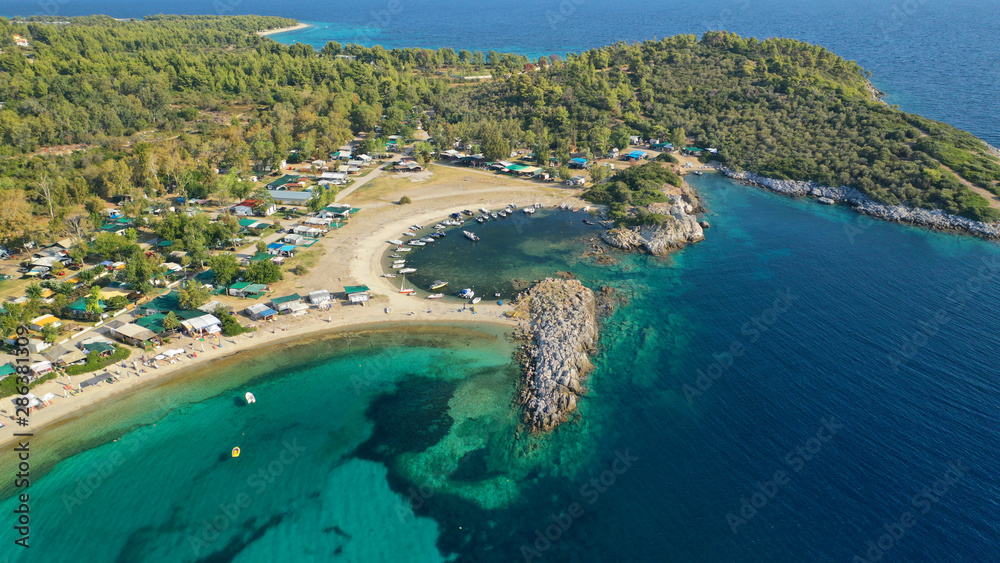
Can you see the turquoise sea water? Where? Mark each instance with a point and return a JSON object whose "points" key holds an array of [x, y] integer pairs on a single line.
{"points": [[410, 448]]}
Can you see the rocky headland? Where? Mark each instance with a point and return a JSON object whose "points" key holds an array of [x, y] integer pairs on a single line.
{"points": [[561, 331], [861, 203], [680, 228]]}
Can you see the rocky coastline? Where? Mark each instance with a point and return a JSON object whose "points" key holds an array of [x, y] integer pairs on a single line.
{"points": [[680, 229], [561, 332], [861, 203]]}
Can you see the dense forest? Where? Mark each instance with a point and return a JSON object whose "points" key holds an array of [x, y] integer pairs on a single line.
{"points": [[781, 108], [162, 104]]}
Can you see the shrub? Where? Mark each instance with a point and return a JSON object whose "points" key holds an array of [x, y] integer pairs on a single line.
{"points": [[95, 362], [405, 200]]}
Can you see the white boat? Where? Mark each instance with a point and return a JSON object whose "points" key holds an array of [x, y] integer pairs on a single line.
{"points": [[484, 210], [250, 398], [408, 271], [494, 215], [503, 214], [439, 226], [409, 234], [388, 275], [512, 206], [471, 236], [586, 209], [403, 249], [428, 239], [466, 293], [436, 296], [480, 220], [698, 172], [416, 227], [417, 243], [397, 242], [403, 289], [398, 266], [476, 300]]}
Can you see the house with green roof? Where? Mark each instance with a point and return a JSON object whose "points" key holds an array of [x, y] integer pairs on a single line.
{"points": [[6, 371]]}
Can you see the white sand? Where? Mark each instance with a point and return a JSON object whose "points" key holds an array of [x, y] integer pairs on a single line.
{"points": [[351, 256]]}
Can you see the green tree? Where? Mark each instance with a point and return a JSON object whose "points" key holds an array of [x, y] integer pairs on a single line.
{"points": [[33, 291], [599, 173], [678, 138], [225, 266], [565, 173], [262, 271], [170, 322], [93, 302], [50, 333], [193, 295]]}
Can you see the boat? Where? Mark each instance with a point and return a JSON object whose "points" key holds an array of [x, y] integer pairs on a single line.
{"points": [[409, 234], [512, 206], [408, 271], [417, 243], [466, 293], [698, 172], [471, 236], [397, 242], [250, 398], [493, 215], [438, 284], [388, 275], [435, 296], [439, 226], [395, 256], [403, 249], [480, 220], [398, 266], [586, 209], [503, 214], [403, 289], [416, 227], [428, 239], [467, 212], [508, 209], [236, 451], [588, 222], [484, 210], [476, 300]]}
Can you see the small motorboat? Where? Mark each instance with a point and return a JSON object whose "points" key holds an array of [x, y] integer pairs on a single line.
{"points": [[493, 215], [250, 398], [416, 227], [588, 222], [471, 236], [388, 275], [408, 291], [436, 296], [397, 242], [698, 172], [409, 234], [395, 256], [438, 235], [398, 266], [408, 271], [428, 239], [467, 212], [512, 206], [440, 226], [476, 300], [438, 284], [484, 210], [236, 451], [480, 220], [417, 243], [403, 249], [466, 293]]}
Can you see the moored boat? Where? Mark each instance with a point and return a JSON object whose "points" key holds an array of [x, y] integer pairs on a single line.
{"points": [[438, 284], [476, 300], [467, 293], [397, 242], [408, 271], [435, 296], [471, 236], [236, 452], [403, 249], [417, 243], [484, 210], [428, 239], [250, 398]]}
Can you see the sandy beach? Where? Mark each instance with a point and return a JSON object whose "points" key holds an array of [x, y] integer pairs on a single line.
{"points": [[351, 255], [283, 29]]}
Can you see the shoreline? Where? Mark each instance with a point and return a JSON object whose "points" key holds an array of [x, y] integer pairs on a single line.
{"points": [[863, 205], [362, 243], [296, 27]]}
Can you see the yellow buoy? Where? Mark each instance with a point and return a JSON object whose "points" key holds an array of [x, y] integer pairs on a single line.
{"points": [[236, 451]]}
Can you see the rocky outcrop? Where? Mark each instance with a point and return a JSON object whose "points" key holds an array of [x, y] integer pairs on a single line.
{"points": [[562, 331], [680, 229], [861, 203]]}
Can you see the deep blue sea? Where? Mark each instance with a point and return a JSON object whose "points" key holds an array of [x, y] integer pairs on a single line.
{"points": [[803, 385]]}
